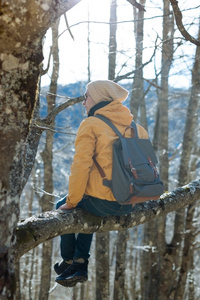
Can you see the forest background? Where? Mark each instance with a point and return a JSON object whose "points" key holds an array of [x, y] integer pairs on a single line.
{"points": [[143, 50]]}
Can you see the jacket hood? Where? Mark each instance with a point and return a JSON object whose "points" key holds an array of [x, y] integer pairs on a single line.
{"points": [[117, 113]]}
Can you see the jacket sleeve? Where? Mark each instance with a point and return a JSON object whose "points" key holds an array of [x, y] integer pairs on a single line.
{"points": [[82, 163]]}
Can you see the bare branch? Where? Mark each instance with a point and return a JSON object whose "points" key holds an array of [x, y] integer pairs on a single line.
{"points": [[152, 83], [126, 76], [58, 109], [137, 5], [67, 24], [37, 229], [179, 23], [43, 124], [44, 71]]}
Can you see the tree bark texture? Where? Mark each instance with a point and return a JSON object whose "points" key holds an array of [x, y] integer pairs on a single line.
{"points": [[37, 229], [102, 266], [120, 265], [184, 231], [153, 281], [137, 96], [23, 25], [161, 264], [47, 156], [112, 40], [167, 56], [179, 23], [189, 134], [188, 252]]}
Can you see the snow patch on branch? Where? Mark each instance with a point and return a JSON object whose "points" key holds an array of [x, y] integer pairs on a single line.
{"points": [[192, 186], [85, 226], [158, 212]]}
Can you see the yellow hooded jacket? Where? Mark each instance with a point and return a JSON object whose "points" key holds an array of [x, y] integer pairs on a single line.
{"points": [[95, 138]]}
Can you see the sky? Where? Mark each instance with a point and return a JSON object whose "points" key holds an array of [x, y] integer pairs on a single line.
{"points": [[74, 53]]}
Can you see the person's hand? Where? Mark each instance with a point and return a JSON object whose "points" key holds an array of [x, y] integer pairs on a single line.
{"points": [[65, 206]]}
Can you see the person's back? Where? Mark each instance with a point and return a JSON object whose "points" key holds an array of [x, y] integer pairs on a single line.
{"points": [[104, 136], [86, 190]]}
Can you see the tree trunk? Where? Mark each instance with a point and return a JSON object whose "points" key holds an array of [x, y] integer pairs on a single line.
{"points": [[137, 102], [47, 156], [88, 43], [112, 40], [189, 134], [165, 265], [156, 280], [120, 266], [19, 80], [167, 57], [186, 226], [153, 243], [102, 266], [21, 35], [102, 240], [188, 251]]}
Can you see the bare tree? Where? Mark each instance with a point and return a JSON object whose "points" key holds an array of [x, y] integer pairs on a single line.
{"points": [[47, 202], [112, 40], [155, 285], [189, 134], [88, 40], [167, 57], [21, 56], [103, 239], [182, 218], [137, 102]]}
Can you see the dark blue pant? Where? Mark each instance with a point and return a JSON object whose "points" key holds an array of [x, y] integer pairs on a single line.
{"points": [[73, 247]]}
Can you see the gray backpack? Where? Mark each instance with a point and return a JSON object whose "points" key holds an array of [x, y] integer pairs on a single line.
{"points": [[134, 175]]}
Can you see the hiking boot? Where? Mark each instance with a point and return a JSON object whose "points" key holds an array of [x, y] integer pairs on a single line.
{"points": [[77, 272], [59, 268]]}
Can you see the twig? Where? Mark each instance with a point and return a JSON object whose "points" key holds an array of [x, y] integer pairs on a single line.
{"points": [[179, 23], [67, 24], [125, 76]]}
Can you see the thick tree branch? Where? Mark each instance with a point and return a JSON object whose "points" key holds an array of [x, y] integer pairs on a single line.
{"points": [[179, 23], [40, 16], [37, 229]]}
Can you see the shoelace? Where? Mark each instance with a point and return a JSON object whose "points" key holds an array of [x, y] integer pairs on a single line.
{"points": [[69, 270]]}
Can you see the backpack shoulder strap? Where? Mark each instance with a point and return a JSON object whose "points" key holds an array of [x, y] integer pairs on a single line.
{"points": [[109, 123], [134, 126]]}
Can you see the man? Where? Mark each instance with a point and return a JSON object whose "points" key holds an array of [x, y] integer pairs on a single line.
{"points": [[86, 190]]}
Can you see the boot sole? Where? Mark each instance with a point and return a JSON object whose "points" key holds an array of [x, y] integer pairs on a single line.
{"points": [[72, 281]]}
